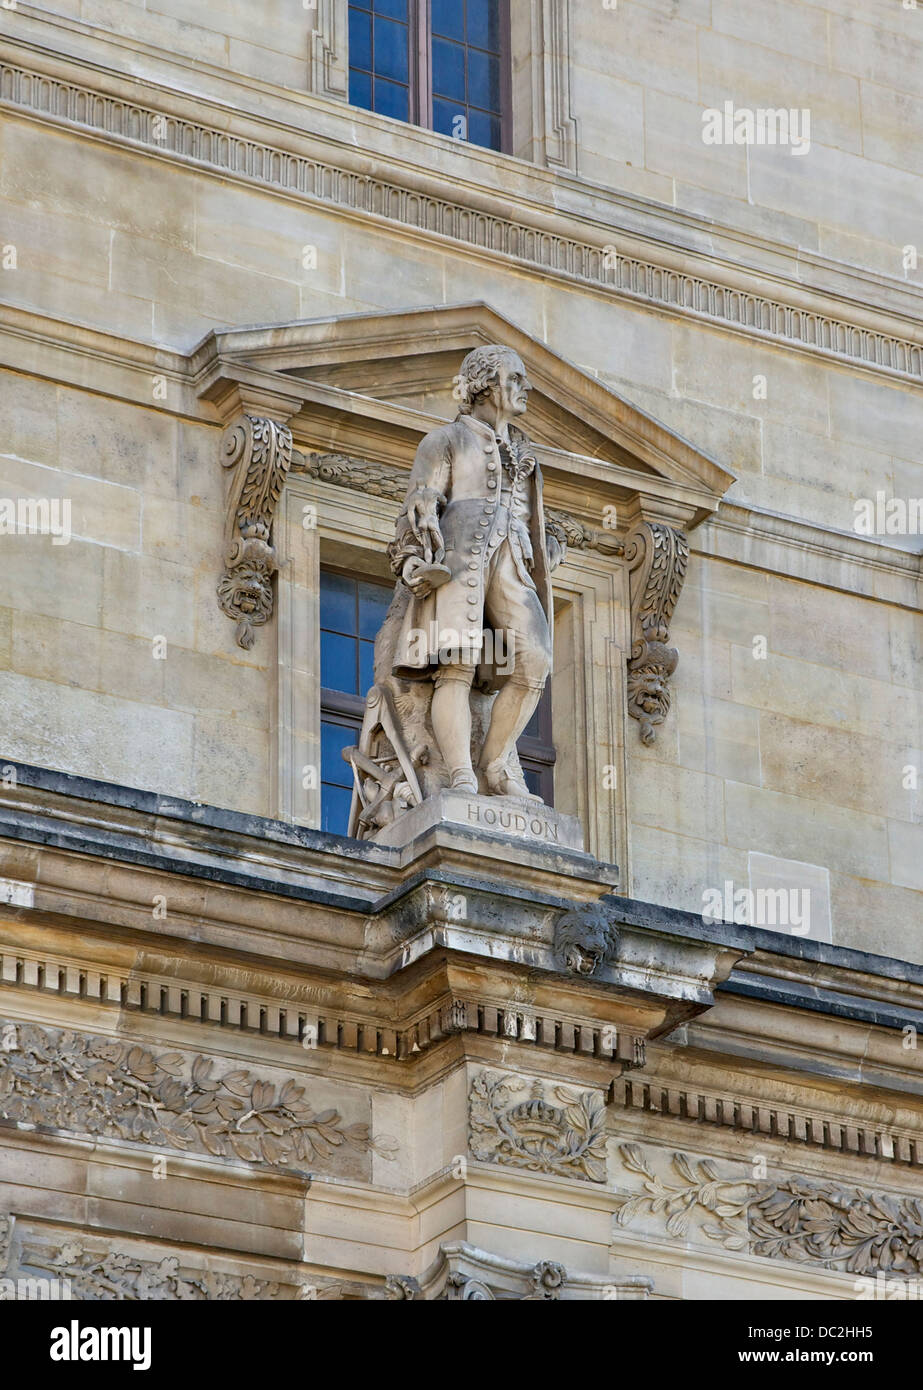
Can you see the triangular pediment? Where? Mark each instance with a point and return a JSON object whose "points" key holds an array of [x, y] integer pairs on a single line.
{"points": [[385, 378]]}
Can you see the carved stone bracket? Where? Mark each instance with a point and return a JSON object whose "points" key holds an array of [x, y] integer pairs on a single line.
{"points": [[657, 557], [260, 452], [463, 1273]]}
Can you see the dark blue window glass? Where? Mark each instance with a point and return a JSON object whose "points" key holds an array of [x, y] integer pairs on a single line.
{"points": [[483, 24], [373, 605], [334, 809], [391, 59], [466, 57], [379, 57], [339, 663], [466, 72], [391, 99], [483, 129], [366, 668], [360, 39], [351, 613], [449, 118], [360, 89], [449, 18], [334, 738], [448, 69], [337, 602], [483, 80]]}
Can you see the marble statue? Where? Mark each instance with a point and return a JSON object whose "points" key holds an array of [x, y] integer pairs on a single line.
{"points": [[466, 647]]}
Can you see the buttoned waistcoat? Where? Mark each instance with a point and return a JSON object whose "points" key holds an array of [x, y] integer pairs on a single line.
{"points": [[460, 465]]}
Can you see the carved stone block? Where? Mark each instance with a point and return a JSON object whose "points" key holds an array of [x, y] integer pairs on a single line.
{"points": [[524, 1124]]}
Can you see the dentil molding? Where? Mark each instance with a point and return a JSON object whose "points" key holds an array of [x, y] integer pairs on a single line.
{"points": [[629, 276]]}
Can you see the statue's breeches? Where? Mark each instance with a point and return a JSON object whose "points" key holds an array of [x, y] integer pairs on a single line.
{"points": [[489, 589], [516, 620]]}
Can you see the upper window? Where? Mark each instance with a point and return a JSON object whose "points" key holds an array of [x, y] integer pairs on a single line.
{"points": [[438, 63]]}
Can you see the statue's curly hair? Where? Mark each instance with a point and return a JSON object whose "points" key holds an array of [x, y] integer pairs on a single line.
{"points": [[478, 372]]}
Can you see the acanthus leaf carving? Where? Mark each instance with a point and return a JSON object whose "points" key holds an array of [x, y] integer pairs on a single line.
{"points": [[513, 1122], [583, 537], [362, 475], [260, 453], [99, 1086], [839, 1228], [117, 1276], [657, 557]]}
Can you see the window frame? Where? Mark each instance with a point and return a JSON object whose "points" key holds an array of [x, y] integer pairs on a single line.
{"points": [[420, 69]]}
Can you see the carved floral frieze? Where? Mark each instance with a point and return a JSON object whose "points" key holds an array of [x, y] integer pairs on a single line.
{"points": [[523, 1124], [118, 1276], [88, 1265], [100, 1086], [855, 1230], [831, 329]]}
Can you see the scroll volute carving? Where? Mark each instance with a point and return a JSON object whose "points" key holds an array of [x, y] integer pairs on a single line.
{"points": [[260, 453], [657, 557]]}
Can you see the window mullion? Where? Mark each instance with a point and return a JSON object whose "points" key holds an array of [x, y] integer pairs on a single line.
{"points": [[423, 73]]}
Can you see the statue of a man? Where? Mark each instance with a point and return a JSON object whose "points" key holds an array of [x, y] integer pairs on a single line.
{"points": [[471, 547]]}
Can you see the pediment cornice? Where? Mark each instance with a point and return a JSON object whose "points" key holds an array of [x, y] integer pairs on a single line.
{"points": [[373, 384]]}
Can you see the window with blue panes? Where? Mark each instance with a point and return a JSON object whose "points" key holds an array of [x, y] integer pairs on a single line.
{"points": [[351, 612], [438, 63]]}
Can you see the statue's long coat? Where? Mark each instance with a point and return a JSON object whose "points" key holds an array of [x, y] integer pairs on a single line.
{"points": [[454, 461]]}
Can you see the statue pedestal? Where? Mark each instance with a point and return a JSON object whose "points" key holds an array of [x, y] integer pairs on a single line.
{"points": [[528, 822]]}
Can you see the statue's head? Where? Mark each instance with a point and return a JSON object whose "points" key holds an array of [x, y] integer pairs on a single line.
{"points": [[496, 375]]}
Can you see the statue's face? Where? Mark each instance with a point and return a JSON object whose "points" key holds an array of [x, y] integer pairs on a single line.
{"points": [[513, 386]]}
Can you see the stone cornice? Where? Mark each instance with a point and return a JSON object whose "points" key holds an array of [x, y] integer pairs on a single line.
{"points": [[816, 554], [206, 133], [214, 874], [765, 1118], [383, 898]]}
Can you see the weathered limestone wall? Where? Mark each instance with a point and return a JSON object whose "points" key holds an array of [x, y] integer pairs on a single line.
{"points": [[799, 755], [647, 68]]}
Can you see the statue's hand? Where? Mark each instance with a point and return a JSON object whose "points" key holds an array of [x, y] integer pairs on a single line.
{"points": [[423, 519], [556, 551], [418, 584]]}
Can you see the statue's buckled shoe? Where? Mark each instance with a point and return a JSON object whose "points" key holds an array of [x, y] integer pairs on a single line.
{"points": [[502, 782], [464, 780]]}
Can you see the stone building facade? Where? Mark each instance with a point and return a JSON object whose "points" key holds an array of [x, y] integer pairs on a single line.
{"points": [[243, 1055]]}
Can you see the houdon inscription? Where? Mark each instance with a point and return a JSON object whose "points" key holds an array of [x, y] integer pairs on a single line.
{"points": [[537, 827]]}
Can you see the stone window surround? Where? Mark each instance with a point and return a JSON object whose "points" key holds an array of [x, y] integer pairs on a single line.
{"points": [[544, 127], [589, 682]]}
